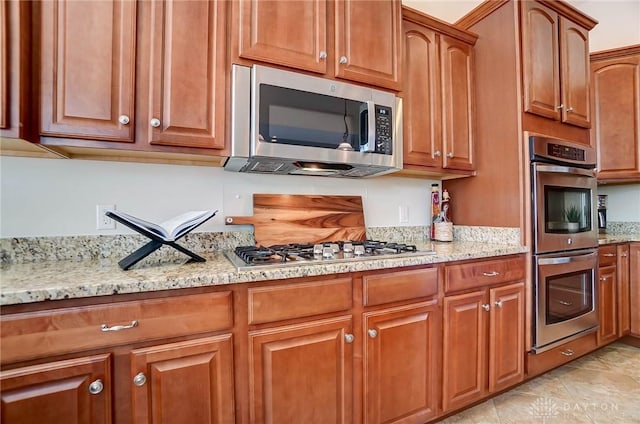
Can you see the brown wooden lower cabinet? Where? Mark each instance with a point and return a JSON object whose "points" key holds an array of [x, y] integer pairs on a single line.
{"points": [[607, 304], [70, 391], [302, 373], [483, 346], [185, 382], [634, 288], [401, 358], [623, 304]]}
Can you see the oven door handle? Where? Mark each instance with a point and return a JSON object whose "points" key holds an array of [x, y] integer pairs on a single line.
{"points": [[558, 169], [566, 259]]}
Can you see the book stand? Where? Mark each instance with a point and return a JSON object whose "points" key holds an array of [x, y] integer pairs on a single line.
{"points": [[154, 244]]}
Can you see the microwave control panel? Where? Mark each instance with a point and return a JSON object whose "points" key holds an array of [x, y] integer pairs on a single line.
{"points": [[384, 130]]}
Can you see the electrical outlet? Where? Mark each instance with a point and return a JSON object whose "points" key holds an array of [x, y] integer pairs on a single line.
{"points": [[403, 212], [103, 222]]}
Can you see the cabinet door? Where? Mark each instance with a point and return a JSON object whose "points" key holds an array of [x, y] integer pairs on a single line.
{"points": [[574, 65], [457, 104], [622, 271], [616, 117], [182, 78], [185, 382], [607, 304], [634, 287], [540, 59], [464, 355], [367, 38], [301, 373], [87, 69], [401, 351], [506, 336], [71, 391], [263, 30], [5, 24], [421, 97]]}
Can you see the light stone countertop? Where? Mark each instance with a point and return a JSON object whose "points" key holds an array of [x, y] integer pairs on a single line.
{"points": [[56, 280], [617, 238]]}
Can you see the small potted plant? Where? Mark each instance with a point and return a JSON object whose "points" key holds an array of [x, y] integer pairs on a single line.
{"points": [[573, 216]]}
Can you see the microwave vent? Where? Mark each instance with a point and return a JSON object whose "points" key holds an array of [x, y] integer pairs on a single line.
{"points": [[266, 166]]}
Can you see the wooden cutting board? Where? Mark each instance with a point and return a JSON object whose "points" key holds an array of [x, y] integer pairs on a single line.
{"points": [[295, 218]]}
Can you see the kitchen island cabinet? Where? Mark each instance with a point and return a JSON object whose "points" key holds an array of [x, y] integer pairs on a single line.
{"points": [[438, 100], [352, 39], [120, 78], [483, 330], [615, 97]]}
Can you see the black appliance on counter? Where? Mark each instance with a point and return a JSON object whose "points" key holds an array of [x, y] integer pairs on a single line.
{"points": [[252, 257], [602, 213]]}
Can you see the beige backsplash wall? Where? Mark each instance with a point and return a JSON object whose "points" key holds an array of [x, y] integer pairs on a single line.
{"points": [[58, 197]]}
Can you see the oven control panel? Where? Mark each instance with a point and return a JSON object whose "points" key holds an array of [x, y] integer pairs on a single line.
{"points": [[565, 152]]}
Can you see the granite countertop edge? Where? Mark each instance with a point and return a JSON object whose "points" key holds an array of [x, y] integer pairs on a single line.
{"points": [[58, 280], [614, 238]]}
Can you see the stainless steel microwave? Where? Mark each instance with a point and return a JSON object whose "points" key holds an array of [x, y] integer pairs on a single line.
{"points": [[290, 123]]}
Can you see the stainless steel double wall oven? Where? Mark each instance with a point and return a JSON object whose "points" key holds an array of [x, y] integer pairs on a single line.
{"points": [[565, 241]]}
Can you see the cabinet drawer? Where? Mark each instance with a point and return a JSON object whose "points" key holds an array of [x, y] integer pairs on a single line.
{"points": [[287, 301], [32, 335], [401, 285], [607, 255], [482, 273], [542, 362]]}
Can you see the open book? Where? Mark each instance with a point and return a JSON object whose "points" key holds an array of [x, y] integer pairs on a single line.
{"points": [[169, 230]]}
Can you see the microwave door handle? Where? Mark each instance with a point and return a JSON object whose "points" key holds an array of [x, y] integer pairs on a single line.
{"points": [[370, 146], [566, 259]]}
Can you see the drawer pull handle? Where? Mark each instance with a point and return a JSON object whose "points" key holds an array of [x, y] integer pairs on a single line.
{"points": [[609, 255], [567, 352], [96, 387], [140, 379], [564, 302], [105, 327], [624, 255], [604, 278], [491, 274], [349, 338]]}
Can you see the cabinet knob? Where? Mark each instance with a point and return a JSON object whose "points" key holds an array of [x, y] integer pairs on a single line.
{"points": [[372, 333], [569, 110], [499, 303], [437, 153], [560, 107], [349, 338], [155, 122], [123, 119], [343, 60], [140, 379], [96, 387], [323, 55], [450, 155], [486, 306]]}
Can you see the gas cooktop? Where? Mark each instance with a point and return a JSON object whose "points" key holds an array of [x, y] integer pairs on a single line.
{"points": [[252, 257]]}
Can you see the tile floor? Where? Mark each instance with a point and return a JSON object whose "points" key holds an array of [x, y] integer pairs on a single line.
{"points": [[602, 387]]}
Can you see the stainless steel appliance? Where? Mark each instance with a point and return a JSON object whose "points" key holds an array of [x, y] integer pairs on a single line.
{"points": [[602, 213], [565, 240], [291, 123], [253, 257]]}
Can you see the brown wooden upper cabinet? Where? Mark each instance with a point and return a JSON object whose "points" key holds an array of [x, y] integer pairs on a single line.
{"points": [[555, 56], [350, 39], [615, 96], [135, 75], [438, 96]]}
